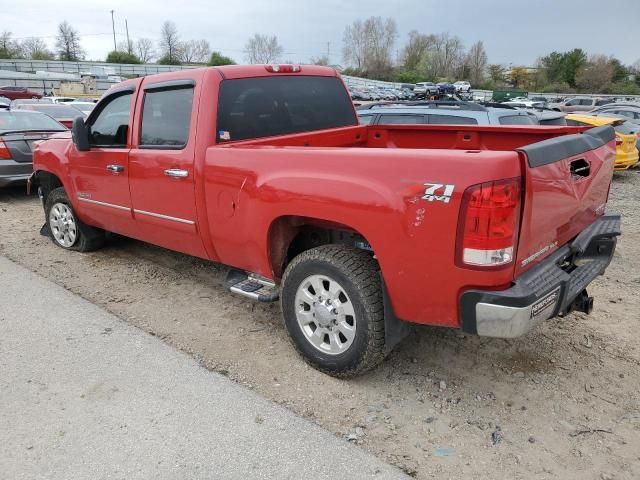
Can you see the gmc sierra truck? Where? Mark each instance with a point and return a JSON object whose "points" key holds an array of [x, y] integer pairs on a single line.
{"points": [[359, 230]]}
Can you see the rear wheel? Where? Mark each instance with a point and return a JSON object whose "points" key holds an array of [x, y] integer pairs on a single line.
{"points": [[65, 228], [332, 306]]}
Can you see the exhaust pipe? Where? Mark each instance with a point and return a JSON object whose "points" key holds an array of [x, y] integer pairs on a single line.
{"points": [[583, 303]]}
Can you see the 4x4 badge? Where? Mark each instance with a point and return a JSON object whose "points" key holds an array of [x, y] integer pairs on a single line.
{"points": [[438, 192]]}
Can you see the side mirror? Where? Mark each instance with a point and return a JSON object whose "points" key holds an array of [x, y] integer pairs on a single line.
{"points": [[80, 135]]}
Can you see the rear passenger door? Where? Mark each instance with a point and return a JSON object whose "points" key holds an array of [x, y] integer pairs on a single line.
{"points": [[161, 166]]}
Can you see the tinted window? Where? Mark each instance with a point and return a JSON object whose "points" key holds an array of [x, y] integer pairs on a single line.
{"points": [[10, 121], [452, 120], [602, 102], [588, 102], [166, 116], [400, 119], [518, 120], [575, 101], [110, 126], [553, 121], [366, 119], [267, 106]]}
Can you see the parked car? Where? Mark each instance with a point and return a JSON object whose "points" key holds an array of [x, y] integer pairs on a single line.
{"points": [[12, 92], [62, 113], [62, 99], [462, 86], [358, 229], [442, 112], [626, 137], [630, 111], [425, 89], [579, 104], [526, 103], [5, 103], [446, 88], [18, 131], [85, 107]]}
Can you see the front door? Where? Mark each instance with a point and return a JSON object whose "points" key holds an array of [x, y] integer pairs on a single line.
{"points": [[161, 167], [100, 175]]}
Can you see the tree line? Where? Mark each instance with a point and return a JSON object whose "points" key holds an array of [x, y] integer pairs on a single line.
{"points": [[369, 50]]}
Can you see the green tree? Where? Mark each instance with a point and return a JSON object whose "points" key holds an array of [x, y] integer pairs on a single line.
{"points": [[573, 61], [496, 73], [122, 57], [409, 76], [8, 47], [218, 59], [169, 60]]}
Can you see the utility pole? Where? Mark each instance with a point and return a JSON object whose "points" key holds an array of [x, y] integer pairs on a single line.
{"points": [[126, 26], [113, 27], [329, 53]]}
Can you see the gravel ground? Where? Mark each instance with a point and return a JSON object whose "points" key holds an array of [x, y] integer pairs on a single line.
{"points": [[562, 402]]}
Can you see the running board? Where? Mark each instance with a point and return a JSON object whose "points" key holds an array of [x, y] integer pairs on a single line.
{"points": [[251, 285]]}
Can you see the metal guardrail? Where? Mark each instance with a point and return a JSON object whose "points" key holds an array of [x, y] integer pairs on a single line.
{"points": [[32, 66]]}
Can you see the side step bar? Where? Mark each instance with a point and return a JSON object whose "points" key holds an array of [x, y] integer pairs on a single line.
{"points": [[252, 286]]}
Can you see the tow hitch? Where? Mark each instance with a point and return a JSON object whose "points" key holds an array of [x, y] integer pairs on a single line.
{"points": [[582, 303]]}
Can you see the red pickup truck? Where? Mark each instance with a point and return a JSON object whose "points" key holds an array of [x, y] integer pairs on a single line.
{"points": [[360, 230]]}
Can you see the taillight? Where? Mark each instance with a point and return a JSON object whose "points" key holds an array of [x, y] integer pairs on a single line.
{"points": [[283, 68], [5, 154], [489, 221], [618, 140]]}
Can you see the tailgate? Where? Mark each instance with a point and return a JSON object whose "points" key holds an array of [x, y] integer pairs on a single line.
{"points": [[567, 183]]}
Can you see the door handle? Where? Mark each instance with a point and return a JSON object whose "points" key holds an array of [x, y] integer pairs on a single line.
{"points": [[176, 173], [115, 168]]}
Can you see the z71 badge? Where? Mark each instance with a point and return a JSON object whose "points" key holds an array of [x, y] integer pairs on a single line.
{"points": [[438, 192]]}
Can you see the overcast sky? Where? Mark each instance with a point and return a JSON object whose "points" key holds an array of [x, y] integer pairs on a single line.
{"points": [[513, 31]]}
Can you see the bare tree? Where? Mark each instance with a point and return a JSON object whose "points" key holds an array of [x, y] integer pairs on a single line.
{"points": [[354, 44], [170, 44], [368, 45], [68, 43], [36, 49], [144, 49], [263, 49], [195, 51], [477, 62], [321, 60], [447, 54], [596, 75], [126, 46], [417, 49]]}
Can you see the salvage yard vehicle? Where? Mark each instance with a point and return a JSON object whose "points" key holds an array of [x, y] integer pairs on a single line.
{"points": [[358, 229], [626, 136], [442, 112], [12, 92], [579, 104], [58, 111], [18, 131]]}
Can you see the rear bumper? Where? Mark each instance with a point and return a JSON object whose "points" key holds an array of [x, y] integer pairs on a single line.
{"points": [[12, 172], [625, 160], [554, 287]]}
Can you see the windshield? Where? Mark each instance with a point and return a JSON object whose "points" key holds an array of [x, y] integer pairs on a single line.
{"points": [[12, 121], [267, 106]]}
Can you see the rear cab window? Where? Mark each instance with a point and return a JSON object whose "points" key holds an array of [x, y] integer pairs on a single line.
{"points": [[451, 120], [278, 105], [399, 119], [518, 120]]}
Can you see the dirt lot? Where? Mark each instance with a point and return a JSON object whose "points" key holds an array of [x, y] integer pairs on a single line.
{"points": [[563, 402]]}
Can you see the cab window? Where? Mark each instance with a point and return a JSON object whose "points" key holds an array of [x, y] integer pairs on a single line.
{"points": [[166, 115], [110, 125]]}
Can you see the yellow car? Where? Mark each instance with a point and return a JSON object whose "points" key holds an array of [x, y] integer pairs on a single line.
{"points": [[626, 150]]}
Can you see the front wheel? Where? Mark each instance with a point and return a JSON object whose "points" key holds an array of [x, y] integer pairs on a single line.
{"points": [[333, 309], [65, 228]]}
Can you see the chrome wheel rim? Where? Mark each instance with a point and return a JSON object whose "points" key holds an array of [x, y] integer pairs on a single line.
{"points": [[62, 224], [325, 314]]}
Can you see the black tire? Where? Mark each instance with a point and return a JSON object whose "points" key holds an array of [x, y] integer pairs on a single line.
{"points": [[87, 238], [358, 274]]}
